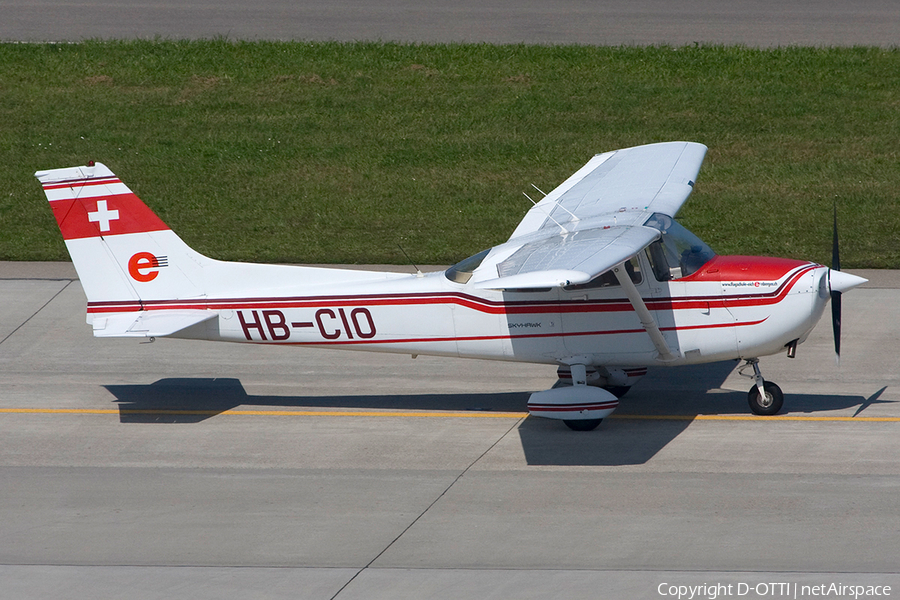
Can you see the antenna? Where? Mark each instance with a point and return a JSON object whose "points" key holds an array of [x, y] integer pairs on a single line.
{"points": [[418, 272], [539, 189], [549, 216], [574, 218]]}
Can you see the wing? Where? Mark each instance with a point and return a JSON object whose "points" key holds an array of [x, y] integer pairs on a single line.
{"points": [[596, 219], [652, 178]]}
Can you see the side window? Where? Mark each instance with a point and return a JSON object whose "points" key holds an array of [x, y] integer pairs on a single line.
{"points": [[608, 279], [656, 253], [678, 253]]}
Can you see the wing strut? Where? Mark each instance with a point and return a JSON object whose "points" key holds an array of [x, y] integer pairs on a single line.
{"points": [[656, 336]]}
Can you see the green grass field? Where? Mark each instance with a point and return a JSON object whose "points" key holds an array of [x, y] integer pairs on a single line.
{"points": [[337, 153]]}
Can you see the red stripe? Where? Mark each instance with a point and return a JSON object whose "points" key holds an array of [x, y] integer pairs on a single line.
{"points": [[77, 183], [571, 407], [485, 338], [459, 299], [566, 372]]}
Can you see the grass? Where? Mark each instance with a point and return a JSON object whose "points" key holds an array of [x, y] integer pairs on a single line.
{"points": [[338, 152]]}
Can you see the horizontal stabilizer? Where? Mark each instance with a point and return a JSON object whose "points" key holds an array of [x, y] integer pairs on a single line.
{"points": [[157, 323]]}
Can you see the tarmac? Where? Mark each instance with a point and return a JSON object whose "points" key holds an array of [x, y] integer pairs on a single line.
{"points": [[761, 23], [191, 469], [199, 470]]}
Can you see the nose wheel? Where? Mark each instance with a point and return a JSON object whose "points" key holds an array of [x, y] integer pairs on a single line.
{"points": [[765, 398], [769, 403]]}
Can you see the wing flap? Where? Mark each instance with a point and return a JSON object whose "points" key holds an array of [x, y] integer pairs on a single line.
{"points": [[571, 258], [535, 280], [157, 323]]}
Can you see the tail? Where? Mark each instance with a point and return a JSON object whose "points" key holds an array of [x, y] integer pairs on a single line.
{"points": [[125, 256], [142, 280]]}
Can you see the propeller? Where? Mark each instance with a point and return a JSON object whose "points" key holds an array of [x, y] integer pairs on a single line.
{"points": [[838, 283]]}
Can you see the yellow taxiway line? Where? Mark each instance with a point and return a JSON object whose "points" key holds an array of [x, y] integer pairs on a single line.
{"points": [[266, 413], [422, 414], [754, 418]]}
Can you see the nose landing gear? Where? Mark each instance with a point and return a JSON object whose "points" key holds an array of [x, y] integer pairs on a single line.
{"points": [[765, 398]]}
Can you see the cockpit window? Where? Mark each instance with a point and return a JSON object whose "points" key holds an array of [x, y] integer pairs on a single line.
{"points": [[462, 271], [678, 253]]}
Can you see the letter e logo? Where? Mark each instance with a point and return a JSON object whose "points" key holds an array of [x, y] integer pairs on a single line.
{"points": [[143, 267]]}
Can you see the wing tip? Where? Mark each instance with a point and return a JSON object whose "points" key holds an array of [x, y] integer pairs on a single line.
{"points": [[92, 170]]}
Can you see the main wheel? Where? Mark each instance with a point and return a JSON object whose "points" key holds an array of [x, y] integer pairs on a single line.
{"points": [[582, 424], [768, 405]]}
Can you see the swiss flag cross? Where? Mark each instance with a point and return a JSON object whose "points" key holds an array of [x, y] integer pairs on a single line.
{"points": [[110, 215], [103, 215]]}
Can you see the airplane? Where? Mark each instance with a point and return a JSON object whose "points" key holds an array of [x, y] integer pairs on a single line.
{"points": [[598, 278]]}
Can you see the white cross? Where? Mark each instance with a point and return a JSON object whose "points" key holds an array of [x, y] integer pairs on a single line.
{"points": [[103, 215]]}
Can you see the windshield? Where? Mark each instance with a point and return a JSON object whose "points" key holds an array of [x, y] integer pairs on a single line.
{"points": [[678, 253]]}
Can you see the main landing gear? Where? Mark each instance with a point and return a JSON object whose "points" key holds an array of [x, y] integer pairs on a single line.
{"points": [[614, 380], [765, 398], [580, 406]]}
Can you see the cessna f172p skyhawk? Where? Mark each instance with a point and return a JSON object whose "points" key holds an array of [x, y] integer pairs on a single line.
{"points": [[598, 278]]}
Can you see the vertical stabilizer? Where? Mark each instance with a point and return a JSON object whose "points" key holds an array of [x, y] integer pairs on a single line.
{"points": [[124, 254]]}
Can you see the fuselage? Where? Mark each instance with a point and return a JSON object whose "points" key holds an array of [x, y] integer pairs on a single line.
{"points": [[679, 303], [732, 307]]}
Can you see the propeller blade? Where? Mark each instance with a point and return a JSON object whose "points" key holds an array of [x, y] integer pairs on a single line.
{"points": [[835, 249], [838, 283], [835, 295], [836, 323]]}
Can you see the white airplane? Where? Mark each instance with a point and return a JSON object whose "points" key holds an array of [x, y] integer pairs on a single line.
{"points": [[598, 278]]}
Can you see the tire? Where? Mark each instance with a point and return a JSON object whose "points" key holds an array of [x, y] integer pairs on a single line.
{"points": [[771, 405], [583, 424], [617, 390]]}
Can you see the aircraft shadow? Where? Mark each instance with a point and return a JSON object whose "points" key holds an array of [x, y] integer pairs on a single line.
{"points": [[618, 441], [646, 422], [188, 400]]}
